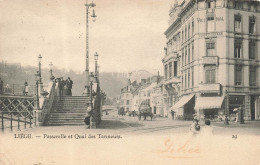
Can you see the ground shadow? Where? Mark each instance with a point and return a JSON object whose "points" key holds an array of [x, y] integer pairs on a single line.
{"points": [[116, 124]]}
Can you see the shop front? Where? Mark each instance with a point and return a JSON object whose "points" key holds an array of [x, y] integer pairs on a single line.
{"points": [[184, 108], [210, 107]]}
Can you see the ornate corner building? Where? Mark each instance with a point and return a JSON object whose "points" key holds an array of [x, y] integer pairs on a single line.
{"points": [[212, 59]]}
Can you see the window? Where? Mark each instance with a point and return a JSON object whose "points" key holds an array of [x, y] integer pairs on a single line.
{"points": [[251, 25], [210, 24], [182, 36], [188, 78], [185, 60], [185, 33], [166, 71], [210, 49], [170, 70], [210, 4], [238, 23], [252, 76], [252, 49], [182, 82], [210, 74], [192, 77], [175, 68], [189, 31], [238, 74], [185, 80], [182, 57], [238, 5], [189, 54], [192, 27], [192, 52], [127, 102], [238, 49]]}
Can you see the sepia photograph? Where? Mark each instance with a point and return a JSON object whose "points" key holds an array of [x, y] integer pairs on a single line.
{"points": [[129, 82]]}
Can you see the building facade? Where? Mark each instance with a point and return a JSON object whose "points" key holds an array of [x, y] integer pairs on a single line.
{"points": [[149, 90], [211, 60]]}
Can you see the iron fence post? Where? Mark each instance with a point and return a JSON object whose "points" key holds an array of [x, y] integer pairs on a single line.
{"points": [[35, 119], [11, 121], [25, 122], [19, 122], [30, 119], [2, 121]]}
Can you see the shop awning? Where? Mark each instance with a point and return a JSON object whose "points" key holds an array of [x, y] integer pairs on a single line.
{"points": [[185, 99], [208, 102]]}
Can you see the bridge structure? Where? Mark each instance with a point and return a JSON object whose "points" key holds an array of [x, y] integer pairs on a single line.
{"points": [[22, 111]]}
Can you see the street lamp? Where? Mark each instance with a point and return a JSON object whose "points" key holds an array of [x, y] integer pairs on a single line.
{"points": [[96, 66], [40, 73], [37, 75], [88, 6], [51, 67]]}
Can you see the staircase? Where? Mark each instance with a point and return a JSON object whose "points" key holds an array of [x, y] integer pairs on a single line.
{"points": [[67, 110]]}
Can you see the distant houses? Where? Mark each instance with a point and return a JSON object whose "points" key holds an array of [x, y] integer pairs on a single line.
{"points": [[149, 89]]}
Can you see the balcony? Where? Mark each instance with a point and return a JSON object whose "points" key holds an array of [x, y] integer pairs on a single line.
{"points": [[209, 88], [210, 60]]}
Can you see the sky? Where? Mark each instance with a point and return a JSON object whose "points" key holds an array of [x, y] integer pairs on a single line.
{"points": [[128, 35]]}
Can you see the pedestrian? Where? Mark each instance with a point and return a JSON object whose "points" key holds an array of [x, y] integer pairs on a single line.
{"points": [[88, 114], [207, 130], [26, 88], [195, 127], [57, 87], [1, 86], [69, 83], [62, 84], [60, 87]]}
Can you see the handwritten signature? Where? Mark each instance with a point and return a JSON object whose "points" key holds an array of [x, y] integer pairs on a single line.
{"points": [[175, 149]]}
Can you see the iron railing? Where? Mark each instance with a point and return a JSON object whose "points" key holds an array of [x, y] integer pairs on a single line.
{"points": [[19, 89], [13, 121]]}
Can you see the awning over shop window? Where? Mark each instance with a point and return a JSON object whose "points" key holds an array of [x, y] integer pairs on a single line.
{"points": [[182, 101], [208, 102]]}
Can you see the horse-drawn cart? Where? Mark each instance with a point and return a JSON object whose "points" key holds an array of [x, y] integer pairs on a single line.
{"points": [[145, 110]]}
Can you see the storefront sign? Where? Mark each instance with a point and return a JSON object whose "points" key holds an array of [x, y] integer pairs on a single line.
{"points": [[213, 34], [218, 19], [209, 88], [210, 60]]}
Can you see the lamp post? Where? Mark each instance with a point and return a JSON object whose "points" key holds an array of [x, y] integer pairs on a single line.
{"points": [[96, 65], [88, 6], [93, 112], [40, 72], [37, 75], [51, 75]]}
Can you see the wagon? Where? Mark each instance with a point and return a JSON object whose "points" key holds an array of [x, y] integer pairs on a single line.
{"points": [[145, 110]]}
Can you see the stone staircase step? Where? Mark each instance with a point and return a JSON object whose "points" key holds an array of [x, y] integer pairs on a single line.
{"points": [[68, 110]]}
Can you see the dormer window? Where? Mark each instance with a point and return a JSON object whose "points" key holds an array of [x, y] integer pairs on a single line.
{"points": [[210, 4], [238, 23], [210, 24], [251, 25]]}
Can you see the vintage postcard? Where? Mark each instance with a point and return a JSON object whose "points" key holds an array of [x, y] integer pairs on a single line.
{"points": [[129, 82]]}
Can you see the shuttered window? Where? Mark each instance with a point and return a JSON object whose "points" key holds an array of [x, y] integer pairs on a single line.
{"points": [[238, 75], [252, 76], [210, 74]]}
